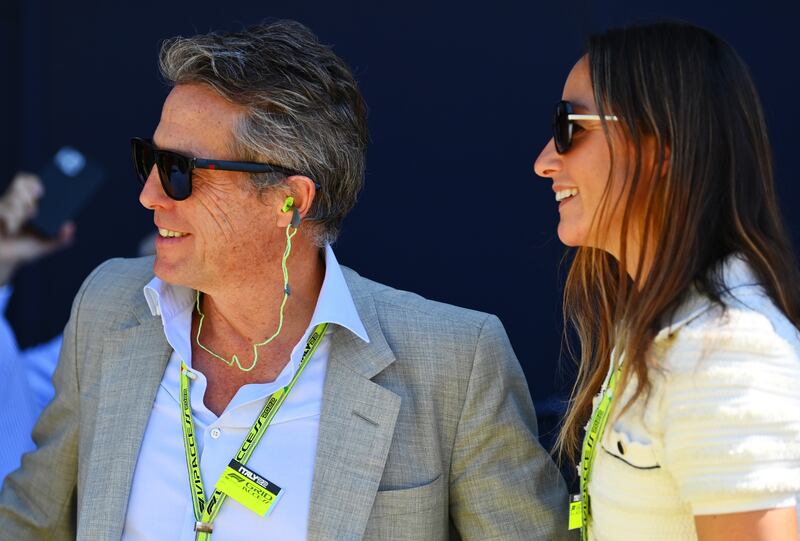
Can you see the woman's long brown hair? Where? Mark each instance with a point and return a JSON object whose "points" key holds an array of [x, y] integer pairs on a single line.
{"points": [[683, 95]]}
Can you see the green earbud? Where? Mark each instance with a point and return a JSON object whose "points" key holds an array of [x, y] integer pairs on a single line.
{"points": [[287, 206]]}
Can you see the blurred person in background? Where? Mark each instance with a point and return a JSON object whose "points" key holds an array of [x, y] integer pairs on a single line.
{"points": [[25, 375]]}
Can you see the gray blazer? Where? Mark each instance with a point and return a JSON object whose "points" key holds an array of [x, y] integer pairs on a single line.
{"points": [[427, 432]]}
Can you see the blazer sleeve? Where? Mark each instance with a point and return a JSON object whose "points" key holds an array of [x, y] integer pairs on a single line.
{"points": [[503, 484], [38, 501]]}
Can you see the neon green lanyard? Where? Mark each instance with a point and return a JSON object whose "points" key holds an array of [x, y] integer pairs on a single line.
{"points": [[593, 436], [206, 511]]}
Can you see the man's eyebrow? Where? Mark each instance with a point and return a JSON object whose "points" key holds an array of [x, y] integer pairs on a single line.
{"points": [[169, 149]]}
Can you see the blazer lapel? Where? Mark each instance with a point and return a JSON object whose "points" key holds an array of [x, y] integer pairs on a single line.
{"points": [[355, 430], [134, 359]]}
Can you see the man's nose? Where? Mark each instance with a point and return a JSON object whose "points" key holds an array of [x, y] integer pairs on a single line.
{"points": [[152, 194], [549, 161]]}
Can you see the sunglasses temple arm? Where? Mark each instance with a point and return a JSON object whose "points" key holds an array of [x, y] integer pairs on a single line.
{"points": [[591, 117], [244, 167]]}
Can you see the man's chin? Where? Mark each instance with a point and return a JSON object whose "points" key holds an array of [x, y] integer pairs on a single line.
{"points": [[169, 272]]}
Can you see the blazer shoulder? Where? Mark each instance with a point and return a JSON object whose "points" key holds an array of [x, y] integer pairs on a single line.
{"points": [[116, 285], [408, 306]]}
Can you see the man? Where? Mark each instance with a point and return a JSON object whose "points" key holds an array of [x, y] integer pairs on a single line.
{"points": [[402, 419]]}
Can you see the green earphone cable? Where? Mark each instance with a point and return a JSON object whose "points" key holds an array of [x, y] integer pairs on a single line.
{"points": [[290, 232]]}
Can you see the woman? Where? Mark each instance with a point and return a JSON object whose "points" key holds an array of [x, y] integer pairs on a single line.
{"points": [[682, 291]]}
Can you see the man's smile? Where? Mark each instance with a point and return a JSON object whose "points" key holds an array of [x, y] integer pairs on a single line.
{"points": [[164, 233]]}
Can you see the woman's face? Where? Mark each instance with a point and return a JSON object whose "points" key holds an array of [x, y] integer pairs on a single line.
{"points": [[584, 170]]}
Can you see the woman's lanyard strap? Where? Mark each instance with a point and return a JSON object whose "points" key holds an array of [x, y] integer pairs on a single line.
{"points": [[593, 437], [206, 511]]}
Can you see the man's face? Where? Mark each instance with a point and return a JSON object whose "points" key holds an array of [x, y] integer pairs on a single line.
{"points": [[225, 231]]}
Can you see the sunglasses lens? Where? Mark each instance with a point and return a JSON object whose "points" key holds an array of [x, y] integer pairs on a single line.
{"points": [[175, 175], [143, 160], [562, 127]]}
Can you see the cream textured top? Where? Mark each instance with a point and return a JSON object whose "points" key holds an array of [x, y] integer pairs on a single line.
{"points": [[720, 432]]}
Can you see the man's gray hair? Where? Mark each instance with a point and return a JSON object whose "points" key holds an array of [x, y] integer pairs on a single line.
{"points": [[303, 108]]}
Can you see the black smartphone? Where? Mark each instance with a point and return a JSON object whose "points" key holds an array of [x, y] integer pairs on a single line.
{"points": [[70, 180]]}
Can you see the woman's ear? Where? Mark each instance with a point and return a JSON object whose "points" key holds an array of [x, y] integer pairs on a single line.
{"points": [[650, 157], [665, 161]]}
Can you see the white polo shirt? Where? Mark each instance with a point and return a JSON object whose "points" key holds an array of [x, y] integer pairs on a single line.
{"points": [[160, 505]]}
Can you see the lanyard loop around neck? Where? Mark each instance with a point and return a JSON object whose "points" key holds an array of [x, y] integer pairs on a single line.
{"points": [[205, 511]]}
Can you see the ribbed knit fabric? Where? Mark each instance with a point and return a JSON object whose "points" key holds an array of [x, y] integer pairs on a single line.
{"points": [[720, 432]]}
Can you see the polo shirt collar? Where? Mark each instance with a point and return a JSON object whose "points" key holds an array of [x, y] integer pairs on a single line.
{"points": [[334, 304]]}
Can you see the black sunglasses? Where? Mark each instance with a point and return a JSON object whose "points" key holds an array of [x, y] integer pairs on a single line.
{"points": [[175, 170], [563, 124]]}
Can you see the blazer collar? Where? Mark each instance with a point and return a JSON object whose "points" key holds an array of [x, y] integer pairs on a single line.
{"points": [[373, 355], [356, 426]]}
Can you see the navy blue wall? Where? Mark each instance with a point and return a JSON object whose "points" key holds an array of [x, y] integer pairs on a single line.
{"points": [[460, 98]]}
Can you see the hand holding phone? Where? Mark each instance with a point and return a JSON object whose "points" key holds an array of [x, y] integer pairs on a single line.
{"points": [[19, 203], [17, 244], [69, 182]]}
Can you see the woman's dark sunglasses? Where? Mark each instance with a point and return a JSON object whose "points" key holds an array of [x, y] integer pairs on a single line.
{"points": [[175, 170], [563, 124]]}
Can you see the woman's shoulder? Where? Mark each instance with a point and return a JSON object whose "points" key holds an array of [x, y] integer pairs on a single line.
{"points": [[745, 323], [728, 400], [749, 323]]}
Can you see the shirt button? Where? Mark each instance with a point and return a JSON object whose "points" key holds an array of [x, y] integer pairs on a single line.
{"points": [[216, 433]]}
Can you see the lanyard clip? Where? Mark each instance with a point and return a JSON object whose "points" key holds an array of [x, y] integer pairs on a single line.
{"points": [[203, 527]]}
